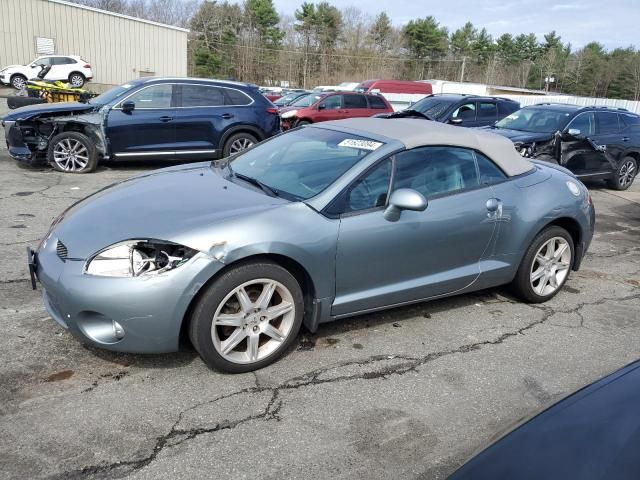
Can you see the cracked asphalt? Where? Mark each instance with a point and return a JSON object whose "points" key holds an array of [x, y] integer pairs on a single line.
{"points": [[405, 393]]}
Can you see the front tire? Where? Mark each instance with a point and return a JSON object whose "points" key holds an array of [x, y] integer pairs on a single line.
{"points": [[624, 175], [18, 81], [545, 267], [72, 152], [238, 142], [247, 318], [76, 80]]}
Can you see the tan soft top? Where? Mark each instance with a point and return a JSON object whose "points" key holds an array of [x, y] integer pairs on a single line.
{"points": [[413, 132]]}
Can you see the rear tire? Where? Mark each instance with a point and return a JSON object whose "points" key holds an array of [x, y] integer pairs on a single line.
{"points": [[257, 305], [545, 267], [76, 80], [238, 142], [624, 175], [72, 152]]}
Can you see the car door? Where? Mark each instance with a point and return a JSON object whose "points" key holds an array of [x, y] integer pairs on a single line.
{"points": [[578, 151], [464, 115], [355, 105], [40, 63], [422, 254], [201, 118], [148, 130], [606, 143], [329, 108], [60, 68], [487, 113]]}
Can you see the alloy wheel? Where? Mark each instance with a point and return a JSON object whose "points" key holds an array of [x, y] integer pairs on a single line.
{"points": [[627, 173], [253, 321], [76, 81], [550, 266], [239, 145], [19, 82], [70, 155]]}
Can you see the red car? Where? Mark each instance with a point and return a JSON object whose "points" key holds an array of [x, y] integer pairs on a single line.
{"points": [[332, 106]]}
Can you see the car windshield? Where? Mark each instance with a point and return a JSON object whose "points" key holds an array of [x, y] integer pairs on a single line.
{"points": [[113, 94], [307, 100], [536, 120], [302, 163], [433, 107], [286, 99]]}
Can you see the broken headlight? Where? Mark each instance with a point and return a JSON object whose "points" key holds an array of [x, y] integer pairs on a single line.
{"points": [[525, 150], [136, 258]]}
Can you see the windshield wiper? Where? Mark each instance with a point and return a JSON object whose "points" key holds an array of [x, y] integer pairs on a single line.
{"points": [[254, 181]]}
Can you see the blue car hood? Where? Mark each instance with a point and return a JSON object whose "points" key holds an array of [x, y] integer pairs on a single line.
{"points": [[519, 135], [165, 204], [31, 111]]}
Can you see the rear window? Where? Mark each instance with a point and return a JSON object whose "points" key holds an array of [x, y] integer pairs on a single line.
{"points": [[376, 102], [355, 101], [201, 96], [236, 97], [434, 107], [487, 111]]}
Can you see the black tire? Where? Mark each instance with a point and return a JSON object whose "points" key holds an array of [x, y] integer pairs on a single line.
{"points": [[235, 141], [522, 283], [202, 317], [72, 138], [18, 81], [78, 78], [300, 123], [17, 102], [624, 175]]}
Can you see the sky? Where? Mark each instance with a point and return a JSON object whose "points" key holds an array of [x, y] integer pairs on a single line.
{"points": [[614, 23]]}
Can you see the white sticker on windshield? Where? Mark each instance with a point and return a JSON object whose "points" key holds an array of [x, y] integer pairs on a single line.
{"points": [[362, 144], [513, 117], [127, 85]]}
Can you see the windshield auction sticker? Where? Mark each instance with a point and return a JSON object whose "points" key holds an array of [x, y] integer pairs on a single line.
{"points": [[362, 144]]}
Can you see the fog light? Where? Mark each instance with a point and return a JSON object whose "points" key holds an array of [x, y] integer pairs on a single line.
{"points": [[118, 331]]}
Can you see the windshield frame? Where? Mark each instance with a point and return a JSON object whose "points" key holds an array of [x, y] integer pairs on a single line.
{"points": [[110, 100]]}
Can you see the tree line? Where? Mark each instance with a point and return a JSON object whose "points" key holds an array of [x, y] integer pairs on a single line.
{"points": [[323, 45]]}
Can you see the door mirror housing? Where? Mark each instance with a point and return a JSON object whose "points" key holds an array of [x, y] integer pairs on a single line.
{"points": [[128, 106], [455, 121], [574, 132], [404, 199], [322, 106]]}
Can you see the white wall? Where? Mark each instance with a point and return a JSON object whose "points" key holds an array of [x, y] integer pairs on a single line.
{"points": [[584, 101]]}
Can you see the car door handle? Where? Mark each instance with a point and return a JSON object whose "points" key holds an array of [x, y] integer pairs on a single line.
{"points": [[493, 204], [227, 116], [166, 118], [625, 139]]}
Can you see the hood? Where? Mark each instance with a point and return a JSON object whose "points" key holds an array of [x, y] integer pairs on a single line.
{"points": [[11, 66], [165, 204], [519, 136], [288, 108], [31, 111]]}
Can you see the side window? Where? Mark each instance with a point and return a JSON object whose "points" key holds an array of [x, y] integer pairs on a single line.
{"points": [[487, 111], [63, 61], [236, 97], [355, 101], [436, 170], [201, 96], [466, 112], [156, 96], [630, 121], [334, 102], [608, 122], [370, 191], [376, 102], [44, 61], [507, 108], [488, 171], [585, 122]]}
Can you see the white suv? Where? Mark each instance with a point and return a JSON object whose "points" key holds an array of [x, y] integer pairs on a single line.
{"points": [[69, 68]]}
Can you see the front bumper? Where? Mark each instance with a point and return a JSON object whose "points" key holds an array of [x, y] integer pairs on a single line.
{"points": [[18, 150], [134, 315]]}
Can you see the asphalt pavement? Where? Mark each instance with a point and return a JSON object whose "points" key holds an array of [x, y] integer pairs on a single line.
{"points": [[406, 393]]}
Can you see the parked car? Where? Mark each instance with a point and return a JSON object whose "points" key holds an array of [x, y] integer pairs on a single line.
{"points": [[593, 142], [289, 98], [68, 68], [593, 434], [333, 106], [394, 86], [464, 110], [147, 118], [324, 222]]}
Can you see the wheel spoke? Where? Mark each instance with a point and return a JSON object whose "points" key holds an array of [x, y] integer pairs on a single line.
{"points": [[537, 274], [278, 310], [553, 280], [246, 304], [234, 339], [229, 319], [252, 348], [541, 286], [561, 266], [265, 297], [541, 259], [273, 332], [560, 251]]}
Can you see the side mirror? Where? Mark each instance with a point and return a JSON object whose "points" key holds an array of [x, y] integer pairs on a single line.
{"points": [[455, 121], [404, 199], [128, 107], [322, 107], [574, 132], [33, 65]]}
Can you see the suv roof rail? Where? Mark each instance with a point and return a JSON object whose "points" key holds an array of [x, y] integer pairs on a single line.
{"points": [[606, 107]]}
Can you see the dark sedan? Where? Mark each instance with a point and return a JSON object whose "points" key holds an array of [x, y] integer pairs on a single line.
{"points": [[150, 118]]}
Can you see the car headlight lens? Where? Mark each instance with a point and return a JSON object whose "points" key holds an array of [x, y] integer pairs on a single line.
{"points": [[289, 114], [138, 258]]}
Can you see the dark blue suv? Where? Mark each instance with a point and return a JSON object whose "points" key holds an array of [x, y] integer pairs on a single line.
{"points": [[147, 118]]}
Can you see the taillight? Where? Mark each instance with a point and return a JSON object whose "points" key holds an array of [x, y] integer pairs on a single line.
{"points": [[86, 65], [272, 110]]}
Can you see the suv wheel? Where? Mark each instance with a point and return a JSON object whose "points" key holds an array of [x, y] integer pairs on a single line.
{"points": [[247, 318], [18, 81], [76, 80], [238, 142], [625, 174], [72, 152]]}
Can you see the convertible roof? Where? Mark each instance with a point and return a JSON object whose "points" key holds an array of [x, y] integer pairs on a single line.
{"points": [[413, 132]]}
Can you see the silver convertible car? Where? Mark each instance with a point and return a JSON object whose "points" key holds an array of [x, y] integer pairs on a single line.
{"points": [[320, 223]]}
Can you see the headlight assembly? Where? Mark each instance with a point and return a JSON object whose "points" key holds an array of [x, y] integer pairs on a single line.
{"points": [[289, 114], [136, 258]]}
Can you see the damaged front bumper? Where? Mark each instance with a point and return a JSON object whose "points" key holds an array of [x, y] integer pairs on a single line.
{"points": [[16, 145]]}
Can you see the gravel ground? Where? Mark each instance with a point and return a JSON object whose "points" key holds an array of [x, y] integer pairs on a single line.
{"points": [[407, 393]]}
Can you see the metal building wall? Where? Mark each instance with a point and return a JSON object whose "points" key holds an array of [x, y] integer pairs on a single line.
{"points": [[119, 48]]}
